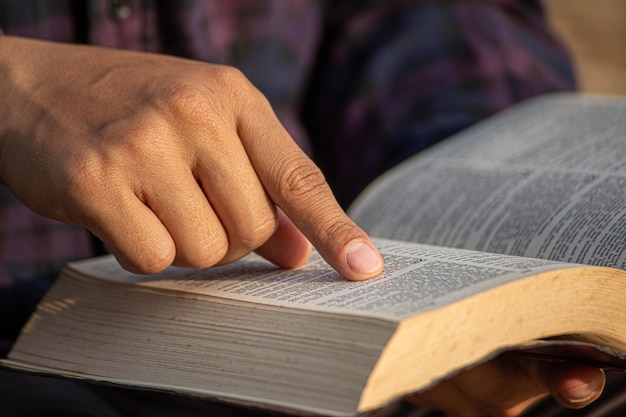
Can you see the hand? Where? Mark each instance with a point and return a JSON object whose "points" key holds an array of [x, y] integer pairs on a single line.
{"points": [[507, 385], [167, 160]]}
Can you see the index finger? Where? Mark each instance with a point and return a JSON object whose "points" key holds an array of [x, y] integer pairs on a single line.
{"points": [[298, 187]]}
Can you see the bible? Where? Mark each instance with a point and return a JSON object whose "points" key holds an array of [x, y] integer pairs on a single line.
{"points": [[507, 238]]}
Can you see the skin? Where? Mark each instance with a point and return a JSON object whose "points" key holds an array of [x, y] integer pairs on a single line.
{"points": [[171, 161], [166, 160], [508, 385]]}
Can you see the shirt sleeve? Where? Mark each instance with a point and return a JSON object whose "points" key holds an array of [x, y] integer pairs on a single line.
{"points": [[393, 78]]}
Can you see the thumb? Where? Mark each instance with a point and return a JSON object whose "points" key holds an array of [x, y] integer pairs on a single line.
{"points": [[576, 385]]}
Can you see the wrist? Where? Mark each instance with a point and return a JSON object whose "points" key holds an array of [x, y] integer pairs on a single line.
{"points": [[13, 88]]}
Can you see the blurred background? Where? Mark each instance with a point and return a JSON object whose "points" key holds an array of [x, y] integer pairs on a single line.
{"points": [[595, 32]]}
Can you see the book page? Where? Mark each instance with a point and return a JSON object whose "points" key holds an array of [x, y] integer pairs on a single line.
{"points": [[416, 278], [544, 180]]}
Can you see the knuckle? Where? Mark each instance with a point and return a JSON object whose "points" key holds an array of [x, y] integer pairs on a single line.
{"points": [[239, 91], [188, 103], [249, 235], [232, 79], [223, 93], [185, 101], [339, 227], [256, 231], [301, 180], [228, 75], [156, 262], [206, 253]]}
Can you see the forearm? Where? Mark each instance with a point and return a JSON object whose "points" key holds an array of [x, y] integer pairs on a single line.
{"points": [[9, 91], [22, 64]]}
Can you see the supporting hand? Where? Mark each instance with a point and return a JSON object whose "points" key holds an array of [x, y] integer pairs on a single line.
{"points": [[507, 385]]}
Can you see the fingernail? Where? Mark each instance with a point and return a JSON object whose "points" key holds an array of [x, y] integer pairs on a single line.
{"points": [[582, 390], [363, 259]]}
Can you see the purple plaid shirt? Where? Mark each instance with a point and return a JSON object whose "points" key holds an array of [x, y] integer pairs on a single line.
{"points": [[362, 84]]}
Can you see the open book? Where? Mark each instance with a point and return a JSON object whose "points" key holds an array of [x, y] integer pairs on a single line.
{"points": [[533, 199]]}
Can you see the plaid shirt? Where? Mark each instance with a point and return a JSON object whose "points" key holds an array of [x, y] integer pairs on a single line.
{"points": [[364, 83]]}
